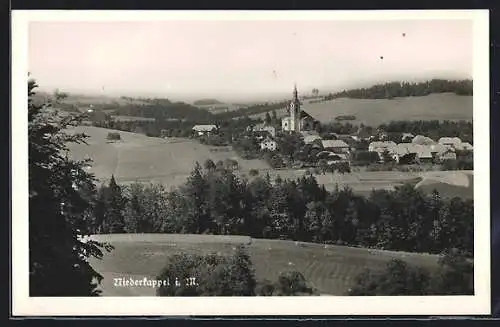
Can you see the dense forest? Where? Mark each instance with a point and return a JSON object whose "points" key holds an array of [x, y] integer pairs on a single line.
{"points": [[215, 201], [206, 102], [406, 89]]}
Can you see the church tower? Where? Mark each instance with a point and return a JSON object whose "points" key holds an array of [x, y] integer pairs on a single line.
{"points": [[295, 111]]}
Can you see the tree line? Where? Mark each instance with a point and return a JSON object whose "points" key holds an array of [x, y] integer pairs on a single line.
{"points": [[234, 275], [406, 89], [215, 201]]}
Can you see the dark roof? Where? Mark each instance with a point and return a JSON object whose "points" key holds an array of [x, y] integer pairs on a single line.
{"points": [[304, 114]]}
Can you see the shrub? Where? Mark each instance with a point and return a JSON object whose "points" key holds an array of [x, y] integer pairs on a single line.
{"points": [[113, 136], [292, 283], [214, 275], [253, 172]]}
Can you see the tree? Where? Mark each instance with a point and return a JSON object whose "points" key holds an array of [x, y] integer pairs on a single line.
{"points": [[274, 117], [59, 210], [268, 120], [398, 278], [292, 283], [195, 190], [209, 165], [213, 275], [113, 220]]}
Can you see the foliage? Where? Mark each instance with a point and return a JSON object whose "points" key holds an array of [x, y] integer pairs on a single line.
{"points": [[406, 89], [455, 276], [214, 275], [216, 201], [113, 136], [61, 194]]}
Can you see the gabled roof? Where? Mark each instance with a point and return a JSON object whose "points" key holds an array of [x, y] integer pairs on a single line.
{"points": [[423, 140], [450, 140], [311, 138], [385, 144], [204, 128], [334, 144], [304, 114], [422, 151]]}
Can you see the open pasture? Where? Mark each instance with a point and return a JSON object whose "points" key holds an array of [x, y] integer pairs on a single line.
{"points": [[140, 158], [373, 112], [331, 269]]}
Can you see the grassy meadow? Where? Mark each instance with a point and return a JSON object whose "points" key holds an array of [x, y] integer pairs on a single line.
{"points": [[442, 106], [330, 268]]}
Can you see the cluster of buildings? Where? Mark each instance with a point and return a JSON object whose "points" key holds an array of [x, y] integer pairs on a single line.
{"points": [[410, 149], [420, 149]]}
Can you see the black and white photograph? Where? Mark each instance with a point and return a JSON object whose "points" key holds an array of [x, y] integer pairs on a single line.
{"points": [[295, 162]]}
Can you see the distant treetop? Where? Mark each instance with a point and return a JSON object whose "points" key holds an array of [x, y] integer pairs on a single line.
{"points": [[206, 102], [406, 89]]}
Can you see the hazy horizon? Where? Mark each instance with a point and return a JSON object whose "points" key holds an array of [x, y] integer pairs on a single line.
{"points": [[243, 60]]}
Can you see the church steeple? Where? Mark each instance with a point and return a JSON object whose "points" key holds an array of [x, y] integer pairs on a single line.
{"points": [[295, 93]]}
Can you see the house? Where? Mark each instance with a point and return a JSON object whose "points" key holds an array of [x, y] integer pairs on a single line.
{"points": [[464, 146], [407, 137], [336, 146], [201, 130], [264, 128], [446, 154], [297, 119], [423, 140], [437, 148], [337, 158], [425, 155], [379, 146], [420, 153], [363, 134], [268, 144], [309, 139], [450, 142]]}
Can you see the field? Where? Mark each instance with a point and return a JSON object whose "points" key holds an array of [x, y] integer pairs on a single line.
{"points": [[141, 158], [331, 269], [442, 106], [170, 161]]}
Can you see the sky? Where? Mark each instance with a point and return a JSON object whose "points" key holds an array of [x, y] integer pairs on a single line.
{"points": [[241, 59]]}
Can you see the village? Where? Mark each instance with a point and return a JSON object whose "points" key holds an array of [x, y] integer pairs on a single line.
{"points": [[332, 151]]}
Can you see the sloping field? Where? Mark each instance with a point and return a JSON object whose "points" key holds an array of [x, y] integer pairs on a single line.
{"points": [[330, 269], [140, 158], [444, 106], [449, 183], [170, 161]]}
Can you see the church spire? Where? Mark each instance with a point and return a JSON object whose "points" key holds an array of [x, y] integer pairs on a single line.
{"points": [[295, 93]]}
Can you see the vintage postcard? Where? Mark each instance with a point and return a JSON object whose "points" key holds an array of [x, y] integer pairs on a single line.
{"points": [[250, 163]]}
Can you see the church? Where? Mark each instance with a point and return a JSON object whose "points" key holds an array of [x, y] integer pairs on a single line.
{"points": [[297, 119]]}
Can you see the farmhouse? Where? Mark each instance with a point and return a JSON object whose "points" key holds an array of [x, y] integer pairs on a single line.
{"points": [[464, 146], [201, 130], [446, 154], [422, 140], [268, 144], [309, 139], [336, 146], [297, 119], [379, 146], [450, 142], [407, 137], [408, 152], [337, 158]]}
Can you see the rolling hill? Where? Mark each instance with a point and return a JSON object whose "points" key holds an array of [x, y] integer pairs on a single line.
{"points": [[141, 158], [331, 269], [373, 112]]}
